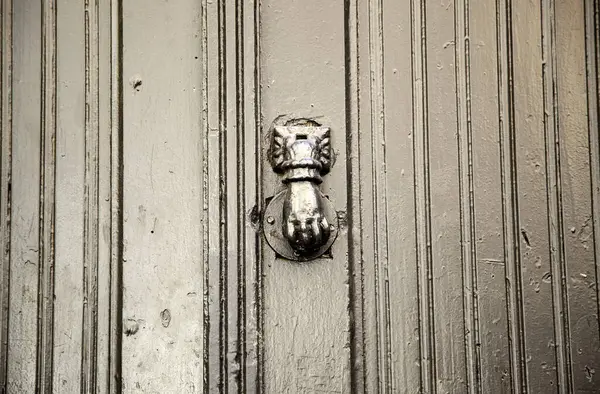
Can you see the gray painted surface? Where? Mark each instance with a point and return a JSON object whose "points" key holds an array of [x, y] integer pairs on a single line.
{"points": [[134, 171]]}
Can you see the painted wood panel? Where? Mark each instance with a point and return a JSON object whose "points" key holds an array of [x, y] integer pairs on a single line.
{"points": [[134, 174], [60, 197], [162, 227]]}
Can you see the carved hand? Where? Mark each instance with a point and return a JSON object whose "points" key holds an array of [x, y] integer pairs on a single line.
{"points": [[304, 224]]}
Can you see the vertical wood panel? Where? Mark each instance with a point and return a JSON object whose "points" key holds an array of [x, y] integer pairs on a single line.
{"points": [[306, 321], [115, 287], [231, 142], [554, 186], [215, 363], [162, 271], [249, 185], [252, 353], [388, 317], [592, 41], [375, 180], [444, 193], [421, 159], [22, 323], [106, 97], [490, 289], [462, 43], [401, 283], [373, 225], [513, 308], [356, 298], [580, 296], [54, 345], [91, 229], [46, 268], [6, 148], [510, 202], [70, 169], [539, 224]]}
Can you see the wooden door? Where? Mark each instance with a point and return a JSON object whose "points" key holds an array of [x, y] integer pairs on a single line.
{"points": [[135, 173]]}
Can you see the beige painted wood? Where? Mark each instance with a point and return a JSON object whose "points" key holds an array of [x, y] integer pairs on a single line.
{"points": [[24, 213], [532, 294], [305, 305], [58, 320], [134, 174], [71, 211], [162, 265], [576, 188], [489, 270]]}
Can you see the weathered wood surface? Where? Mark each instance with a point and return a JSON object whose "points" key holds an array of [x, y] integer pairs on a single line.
{"points": [[134, 171]]}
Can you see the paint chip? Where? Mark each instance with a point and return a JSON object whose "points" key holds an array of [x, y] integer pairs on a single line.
{"points": [[165, 318]]}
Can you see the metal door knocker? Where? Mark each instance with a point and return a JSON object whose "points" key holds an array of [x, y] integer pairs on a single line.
{"points": [[300, 222]]}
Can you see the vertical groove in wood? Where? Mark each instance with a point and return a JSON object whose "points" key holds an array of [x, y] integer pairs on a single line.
{"points": [[420, 132], [225, 315], [510, 207], [233, 358], [240, 127], [45, 335], [5, 181], [554, 198], [379, 193], [592, 45], [116, 196], [214, 99], [249, 166], [259, 240], [354, 200], [232, 176], [205, 196], [89, 362], [466, 193], [232, 309], [222, 179], [215, 266]]}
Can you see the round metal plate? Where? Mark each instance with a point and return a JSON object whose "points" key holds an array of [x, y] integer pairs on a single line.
{"points": [[272, 224]]}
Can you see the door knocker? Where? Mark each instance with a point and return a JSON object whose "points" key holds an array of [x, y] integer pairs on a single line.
{"points": [[300, 222]]}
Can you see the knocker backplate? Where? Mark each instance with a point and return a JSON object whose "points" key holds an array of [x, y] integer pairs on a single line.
{"points": [[272, 228]]}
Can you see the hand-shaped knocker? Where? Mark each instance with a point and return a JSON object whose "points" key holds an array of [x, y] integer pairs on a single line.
{"points": [[300, 223]]}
